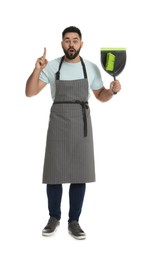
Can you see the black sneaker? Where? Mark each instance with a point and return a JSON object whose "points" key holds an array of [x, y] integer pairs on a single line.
{"points": [[75, 230], [51, 227]]}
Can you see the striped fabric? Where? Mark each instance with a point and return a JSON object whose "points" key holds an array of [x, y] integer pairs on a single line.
{"points": [[69, 156]]}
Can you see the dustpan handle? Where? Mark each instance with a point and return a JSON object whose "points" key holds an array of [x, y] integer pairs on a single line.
{"points": [[114, 79]]}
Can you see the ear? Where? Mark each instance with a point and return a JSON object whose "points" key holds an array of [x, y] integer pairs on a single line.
{"points": [[62, 44], [81, 44]]}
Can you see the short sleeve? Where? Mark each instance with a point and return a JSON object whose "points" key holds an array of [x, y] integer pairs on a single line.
{"points": [[97, 82], [43, 76]]}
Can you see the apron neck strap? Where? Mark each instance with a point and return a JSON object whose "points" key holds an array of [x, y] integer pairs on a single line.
{"points": [[61, 61], [84, 68], [58, 72]]}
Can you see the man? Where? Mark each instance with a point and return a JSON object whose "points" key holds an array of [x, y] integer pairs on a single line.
{"points": [[69, 155]]}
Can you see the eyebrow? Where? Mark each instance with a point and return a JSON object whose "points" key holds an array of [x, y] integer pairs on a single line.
{"points": [[68, 38]]}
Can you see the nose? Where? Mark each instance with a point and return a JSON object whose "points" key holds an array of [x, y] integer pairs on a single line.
{"points": [[71, 44]]}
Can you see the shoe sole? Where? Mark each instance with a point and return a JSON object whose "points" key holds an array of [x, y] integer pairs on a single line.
{"points": [[77, 237]]}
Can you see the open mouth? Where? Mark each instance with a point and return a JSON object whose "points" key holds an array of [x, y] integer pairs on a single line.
{"points": [[71, 51]]}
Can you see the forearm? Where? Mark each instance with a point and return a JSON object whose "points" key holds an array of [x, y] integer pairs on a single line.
{"points": [[105, 95], [32, 84]]}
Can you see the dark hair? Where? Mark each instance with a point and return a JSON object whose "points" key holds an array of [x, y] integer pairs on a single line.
{"points": [[72, 29]]}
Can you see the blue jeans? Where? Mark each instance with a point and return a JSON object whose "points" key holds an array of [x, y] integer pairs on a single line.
{"points": [[76, 197]]}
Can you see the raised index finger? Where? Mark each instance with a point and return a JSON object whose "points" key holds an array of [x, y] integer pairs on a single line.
{"points": [[44, 54]]}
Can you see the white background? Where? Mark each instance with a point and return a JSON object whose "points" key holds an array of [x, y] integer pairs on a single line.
{"points": [[114, 213]]}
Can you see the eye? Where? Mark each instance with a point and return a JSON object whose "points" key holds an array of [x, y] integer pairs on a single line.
{"points": [[67, 41], [75, 41]]}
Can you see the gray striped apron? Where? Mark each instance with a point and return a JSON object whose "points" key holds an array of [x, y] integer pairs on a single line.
{"points": [[69, 155]]}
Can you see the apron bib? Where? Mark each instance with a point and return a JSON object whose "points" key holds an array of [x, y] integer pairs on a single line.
{"points": [[69, 155]]}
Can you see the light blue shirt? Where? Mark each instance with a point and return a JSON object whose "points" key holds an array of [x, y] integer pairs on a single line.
{"points": [[71, 71]]}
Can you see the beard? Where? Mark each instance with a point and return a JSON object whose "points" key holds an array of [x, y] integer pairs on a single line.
{"points": [[71, 53]]}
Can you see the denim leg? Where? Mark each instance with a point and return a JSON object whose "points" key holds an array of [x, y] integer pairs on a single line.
{"points": [[54, 194], [76, 197]]}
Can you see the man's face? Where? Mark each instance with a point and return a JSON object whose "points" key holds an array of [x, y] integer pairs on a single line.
{"points": [[71, 45]]}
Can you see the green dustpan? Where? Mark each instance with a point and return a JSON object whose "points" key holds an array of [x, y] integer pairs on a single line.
{"points": [[113, 60]]}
